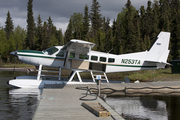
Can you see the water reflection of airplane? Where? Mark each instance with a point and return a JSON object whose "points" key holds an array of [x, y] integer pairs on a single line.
{"points": [[22, 103], [77, 56]]}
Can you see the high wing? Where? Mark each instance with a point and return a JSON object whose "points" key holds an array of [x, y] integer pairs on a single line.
{"points": [[78, 46]]}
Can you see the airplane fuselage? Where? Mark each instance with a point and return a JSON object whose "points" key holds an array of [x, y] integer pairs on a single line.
{"points": [[93, 61]]}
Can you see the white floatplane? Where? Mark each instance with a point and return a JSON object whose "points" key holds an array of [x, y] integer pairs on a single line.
{"points": [[77, 56]]}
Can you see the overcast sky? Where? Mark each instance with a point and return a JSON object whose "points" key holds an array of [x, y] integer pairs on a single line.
{"points": [[60, 10]]}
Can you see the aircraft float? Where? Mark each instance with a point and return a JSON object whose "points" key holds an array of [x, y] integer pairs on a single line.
{"points": [[78, 56]]}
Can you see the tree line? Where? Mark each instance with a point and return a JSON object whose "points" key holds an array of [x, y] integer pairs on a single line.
{"points": [[131, 31]]}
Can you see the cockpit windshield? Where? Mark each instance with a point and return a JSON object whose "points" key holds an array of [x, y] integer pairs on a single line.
{"points": [[50, 51]]}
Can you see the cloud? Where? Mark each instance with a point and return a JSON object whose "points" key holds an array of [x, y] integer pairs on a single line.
{"points": [[20, 21], [61, 25]]}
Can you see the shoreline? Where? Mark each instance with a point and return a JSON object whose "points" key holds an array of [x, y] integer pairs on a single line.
{"points": [[22, 69]]}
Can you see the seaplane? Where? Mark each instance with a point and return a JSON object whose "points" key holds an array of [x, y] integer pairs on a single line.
{"points": [[78, 56]]}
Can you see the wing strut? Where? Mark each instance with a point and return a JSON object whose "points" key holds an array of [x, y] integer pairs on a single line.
{"points": [[66, 59]]}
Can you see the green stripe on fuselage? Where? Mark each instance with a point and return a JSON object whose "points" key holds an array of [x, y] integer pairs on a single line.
{"points": [[31, 51], [40, 56]]}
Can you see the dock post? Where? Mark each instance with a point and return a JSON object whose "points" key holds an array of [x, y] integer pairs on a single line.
{"points": [[99, 93], [59, 73], [98, 78]]}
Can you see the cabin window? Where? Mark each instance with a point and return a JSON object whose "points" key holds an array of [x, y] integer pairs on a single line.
{"points": [[111, 60], [86, 57], [103, 59], [60, 54], [95, 58], [72, 55], [50, 51]]}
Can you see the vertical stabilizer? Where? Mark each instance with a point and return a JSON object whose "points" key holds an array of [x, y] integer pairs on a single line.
{"points": [[159, 51]]}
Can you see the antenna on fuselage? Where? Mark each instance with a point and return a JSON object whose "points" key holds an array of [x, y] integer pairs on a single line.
{"points": [[110, 50]]}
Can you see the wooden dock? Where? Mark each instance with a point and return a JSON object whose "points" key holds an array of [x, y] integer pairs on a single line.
{"points": [[65, 102]]}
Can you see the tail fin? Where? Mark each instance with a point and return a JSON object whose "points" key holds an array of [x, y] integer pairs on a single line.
{"points": [[159, 51]]}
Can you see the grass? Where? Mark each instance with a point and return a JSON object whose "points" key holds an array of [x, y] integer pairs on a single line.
{"points": [[11, 65], [149, 75], [142, 76]]}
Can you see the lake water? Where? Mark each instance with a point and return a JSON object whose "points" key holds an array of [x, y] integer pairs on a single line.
{"points": [[16, 104], [20, 104], [146, 107]]}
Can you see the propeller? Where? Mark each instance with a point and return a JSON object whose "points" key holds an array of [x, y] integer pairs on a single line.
{"points": [[15, 54]]}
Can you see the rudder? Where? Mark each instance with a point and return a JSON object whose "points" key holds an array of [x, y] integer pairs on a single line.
{"points": [[159, 51]]}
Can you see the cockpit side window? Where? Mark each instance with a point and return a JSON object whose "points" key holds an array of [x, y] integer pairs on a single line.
{"points": [[60, 54], [50, 51], [72, 55], [81, 56]]}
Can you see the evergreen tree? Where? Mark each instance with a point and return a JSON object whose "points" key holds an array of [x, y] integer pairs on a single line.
{"points": [[115, 43], [68, 33], [142, 29], [95, 16], [53, 41], [39, 33], [30, 26], [149, 20], [147, 42], [109, 38], [19, 38], [50, 27], [100, 37], [8, 26], [86, 22], [3, 45], [45, 36], [60, 37], [103, 24], [137, 31], [119, 39], [155, 27], [77, 25], [11, 47], [130, 29], [175, 29], [164, 23]]}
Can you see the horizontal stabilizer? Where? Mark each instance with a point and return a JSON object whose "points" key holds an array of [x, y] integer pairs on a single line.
{"points": [[158, 62]]}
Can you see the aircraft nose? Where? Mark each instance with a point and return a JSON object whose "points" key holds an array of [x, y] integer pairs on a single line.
{"points": [[14, 53]]}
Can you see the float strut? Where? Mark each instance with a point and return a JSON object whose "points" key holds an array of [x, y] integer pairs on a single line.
{"points": [[39, 72]]}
